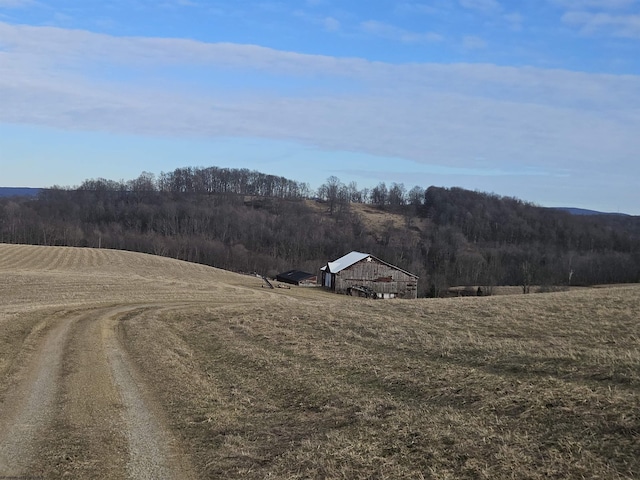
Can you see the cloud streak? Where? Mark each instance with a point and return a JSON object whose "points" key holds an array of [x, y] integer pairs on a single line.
{"points": [[617, 18], [391, 32], [481, 5], [16, 3], [597, 4], [519, 119], [592, 23]]}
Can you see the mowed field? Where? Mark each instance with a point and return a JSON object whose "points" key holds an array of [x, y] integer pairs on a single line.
{"points": [[123, 365]]}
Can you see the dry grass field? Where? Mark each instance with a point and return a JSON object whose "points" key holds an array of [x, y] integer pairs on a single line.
{"points": [[123, 365]]}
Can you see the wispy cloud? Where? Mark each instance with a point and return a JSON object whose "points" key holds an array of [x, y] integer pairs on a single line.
{"points": [[427, 113], [497, 12], [481, 5], [515, 20], [328, 23], [391, 32], [606, 23], [415, 7], [594, 4], [619, 18], [16, 3], [186, 3], [471, 42], [331, 24]]}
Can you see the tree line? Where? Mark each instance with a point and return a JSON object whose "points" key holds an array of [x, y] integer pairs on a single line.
{"points": [[247, 221]]}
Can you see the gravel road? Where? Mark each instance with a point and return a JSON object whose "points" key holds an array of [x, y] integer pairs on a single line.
{"points": [[78, 408]]}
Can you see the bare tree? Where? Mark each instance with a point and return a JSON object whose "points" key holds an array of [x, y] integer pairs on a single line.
{"points": [[330, 191], [397, 194], [380, 195], [416, 196]]}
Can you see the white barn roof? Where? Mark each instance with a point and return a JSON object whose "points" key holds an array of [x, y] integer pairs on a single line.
{"points": [[355, 257], [346, 261]]}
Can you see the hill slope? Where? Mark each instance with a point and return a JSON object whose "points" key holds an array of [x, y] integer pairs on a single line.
{"points": [[447, 237], [124, 364]]}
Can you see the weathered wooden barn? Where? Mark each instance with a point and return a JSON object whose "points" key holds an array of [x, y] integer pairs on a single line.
{"points": [[296, 277], [356, 270]]}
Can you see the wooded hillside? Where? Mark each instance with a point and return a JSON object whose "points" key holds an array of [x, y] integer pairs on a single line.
{"points": [[246, 221]]}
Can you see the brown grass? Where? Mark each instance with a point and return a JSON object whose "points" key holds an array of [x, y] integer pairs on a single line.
{"points": [[300, 383]]}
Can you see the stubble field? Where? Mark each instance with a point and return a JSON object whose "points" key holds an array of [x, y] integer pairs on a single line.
{"points": [[122, 365]]}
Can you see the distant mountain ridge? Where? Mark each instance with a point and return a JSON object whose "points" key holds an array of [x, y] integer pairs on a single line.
{"points": [[584, 211], [19, 191]]}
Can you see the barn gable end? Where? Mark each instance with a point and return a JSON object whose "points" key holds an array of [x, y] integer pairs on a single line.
{"points": [[363, 270]]}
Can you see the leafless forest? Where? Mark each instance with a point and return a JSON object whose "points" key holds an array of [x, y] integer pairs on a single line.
{"points": [[246, 221]]}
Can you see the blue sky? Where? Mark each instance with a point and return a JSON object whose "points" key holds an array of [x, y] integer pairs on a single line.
{"points": [[537, 99]]}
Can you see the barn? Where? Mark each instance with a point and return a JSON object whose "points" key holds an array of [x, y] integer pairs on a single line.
{"points": [[361, 272], [296, 277]]}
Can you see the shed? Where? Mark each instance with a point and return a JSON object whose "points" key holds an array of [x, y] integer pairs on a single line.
{"points": [[296, 277], [358, 270]]}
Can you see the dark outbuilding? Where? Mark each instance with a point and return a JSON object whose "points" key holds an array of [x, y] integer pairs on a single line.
{"points": [[296, 277]]}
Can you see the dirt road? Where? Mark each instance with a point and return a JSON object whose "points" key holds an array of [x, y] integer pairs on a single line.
{"points": [[77, 407], [75, 398]]}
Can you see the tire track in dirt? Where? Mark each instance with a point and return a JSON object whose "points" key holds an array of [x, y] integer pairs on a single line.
{"points": [[81, 411], [153, 452], [28, 411], [87, 439]]}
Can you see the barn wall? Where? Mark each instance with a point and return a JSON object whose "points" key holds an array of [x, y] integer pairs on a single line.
{"points": [[382, 278]]}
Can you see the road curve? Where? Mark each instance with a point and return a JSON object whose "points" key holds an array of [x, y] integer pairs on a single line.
{"points": [[79, 409]]}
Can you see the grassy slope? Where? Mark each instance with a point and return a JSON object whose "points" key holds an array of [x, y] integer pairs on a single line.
{"points": [[505, 387], [301, 383]]}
